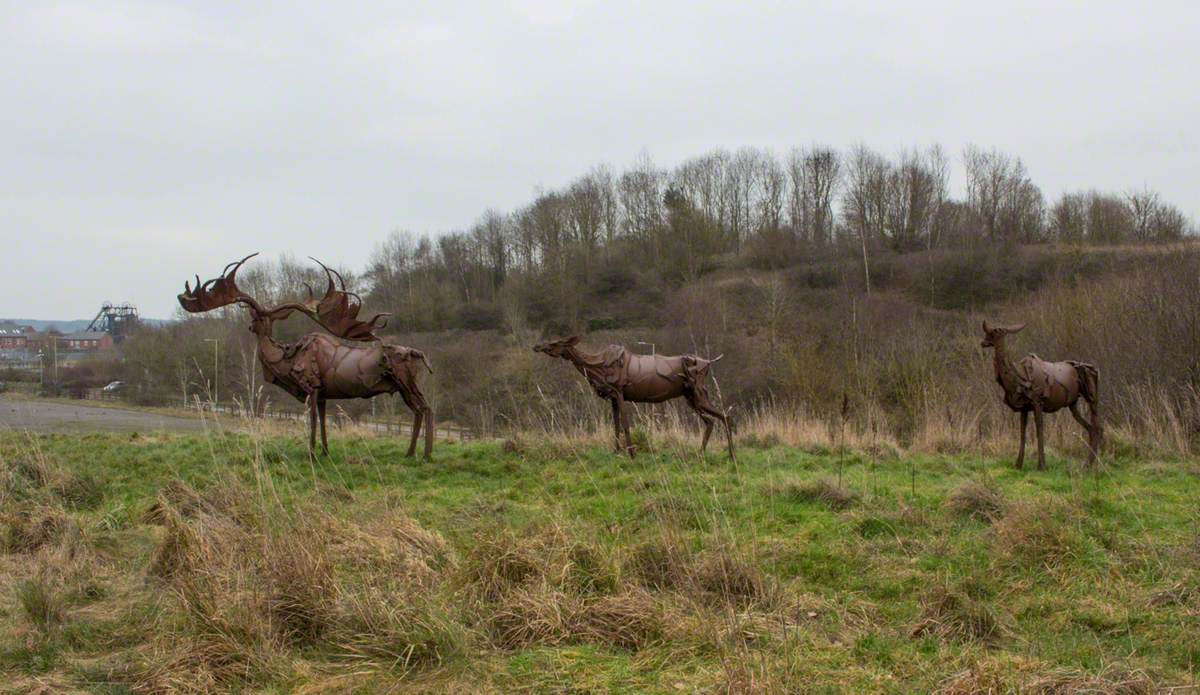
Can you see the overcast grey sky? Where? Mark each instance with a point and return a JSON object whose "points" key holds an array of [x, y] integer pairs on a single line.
{"points": [[145, 142]]}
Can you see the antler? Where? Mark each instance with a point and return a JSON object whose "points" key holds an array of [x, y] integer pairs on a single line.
{"points": [[218, 292], [338, 310]]}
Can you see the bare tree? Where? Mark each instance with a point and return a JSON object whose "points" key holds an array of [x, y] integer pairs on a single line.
{"points": [[1004, 199], [813, 176], [865, 201], [640, 194]]}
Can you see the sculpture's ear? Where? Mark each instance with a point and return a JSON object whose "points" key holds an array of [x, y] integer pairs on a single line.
{"points": [[985, 327], [1016, 329], [572, 340]]}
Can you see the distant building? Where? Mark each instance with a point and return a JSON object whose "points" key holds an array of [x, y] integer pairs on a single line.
{"points": [[87, 341], [13, 339]]}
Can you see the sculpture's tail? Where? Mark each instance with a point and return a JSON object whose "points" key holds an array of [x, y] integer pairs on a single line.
{"points": [[695, 370], [425, 360]]}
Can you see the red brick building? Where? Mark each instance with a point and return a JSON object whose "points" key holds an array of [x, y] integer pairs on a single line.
{"points": [[87, 341], [13, 339]]}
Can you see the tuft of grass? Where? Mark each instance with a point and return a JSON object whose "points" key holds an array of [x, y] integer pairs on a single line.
{"points": [[537, 615], [299, 578], [41, 603], [662, 563], [592, 570], [631, 620], [404, 632], [1032, 534], [729, 579], [982, 500], [822, 490], [29, 526], [498, 563], [956, 616]]}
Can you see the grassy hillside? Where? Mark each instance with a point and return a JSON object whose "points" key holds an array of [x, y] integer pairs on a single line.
{"points": [[153, 563]]}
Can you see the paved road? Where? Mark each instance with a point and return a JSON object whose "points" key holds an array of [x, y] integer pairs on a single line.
{"points": [[40, 416]]}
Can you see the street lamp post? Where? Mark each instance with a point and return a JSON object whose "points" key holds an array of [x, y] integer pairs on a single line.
{"points": [[216, 349]]}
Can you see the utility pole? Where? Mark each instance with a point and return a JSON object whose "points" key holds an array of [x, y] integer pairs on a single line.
{"points": [[216, 349]]}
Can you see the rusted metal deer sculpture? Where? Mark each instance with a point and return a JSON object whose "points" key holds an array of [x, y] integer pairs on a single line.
{"points": [[621, 376], [349, 361], [1037, 386]]}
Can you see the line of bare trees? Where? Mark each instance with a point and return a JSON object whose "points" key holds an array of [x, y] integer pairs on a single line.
{"points": [[540, 263]]}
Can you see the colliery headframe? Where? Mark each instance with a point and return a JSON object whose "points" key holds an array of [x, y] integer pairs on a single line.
{"points": [[118, 320]]}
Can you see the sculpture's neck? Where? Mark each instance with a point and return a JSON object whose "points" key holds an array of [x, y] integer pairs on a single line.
{"points": [[268, 348], [582, 360], [1005, 372]]}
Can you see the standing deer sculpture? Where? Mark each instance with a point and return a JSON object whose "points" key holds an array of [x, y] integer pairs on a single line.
{"points": [[1037, 386], [349, 361], [621, 376]]}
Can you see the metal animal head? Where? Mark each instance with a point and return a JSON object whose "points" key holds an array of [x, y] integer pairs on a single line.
{"points": [[993, 336], [336, 311], [557, 348]]}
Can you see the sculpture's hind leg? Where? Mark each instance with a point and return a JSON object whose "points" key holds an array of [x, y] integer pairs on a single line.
{"points": [[703, 407], [624, 415], [616, 416], [708, 428], [418, 413], [1087, 426], [1021, 451], [1037, 423], [321, 416], [312, 425], [709, 420]]}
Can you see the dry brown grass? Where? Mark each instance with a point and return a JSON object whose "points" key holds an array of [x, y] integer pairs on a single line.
{"points": [[394, 627], [994, 676], [250, 591], [26, 527], [500, 562], [525, 616], [630, 620]]}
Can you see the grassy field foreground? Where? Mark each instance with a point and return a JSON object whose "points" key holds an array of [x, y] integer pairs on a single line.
{"points": [[157, 563]]}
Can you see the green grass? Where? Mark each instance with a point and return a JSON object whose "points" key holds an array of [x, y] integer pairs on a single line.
{"points": [[1082, 576]]}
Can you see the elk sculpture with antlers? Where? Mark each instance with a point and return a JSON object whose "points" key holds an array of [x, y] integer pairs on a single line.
{"points": [[349, 361], [621, 376]]}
